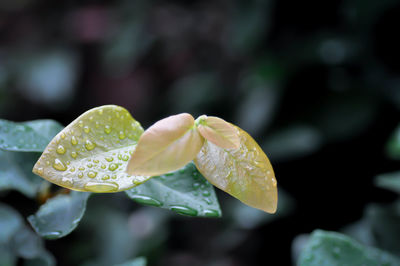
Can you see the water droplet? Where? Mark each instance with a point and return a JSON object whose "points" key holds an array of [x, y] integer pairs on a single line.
{"points": [[211, 213], [81, 168], [146, 200], [40, 171], [100, 111], [97, 124], [274, 182], [101, 187], [62, 135], [48, 162], [103, 166], [206, 193], [96, 161], [86, 129], [114, 177], [60, 149], [196, 185], [89, 145], [72, 169], [112, 167], [120, 156], [51, 235], [80, 123], [106, 177], [107, 129], [74, 141], [80, 175], [74, 154], [121, 135], [89, 165], [92, 174], [59, 165], [184, 210], [125, 158], [109, 159]]}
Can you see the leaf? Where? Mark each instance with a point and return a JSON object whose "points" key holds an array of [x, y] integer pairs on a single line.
{"points": [[393, 145], [245, 173], [330, 248], [218, 131], [16, 172], [60, 215], [17, 240], [184, 191], [27, 136], [92, 152], [390, 181], [141, 261], [166, 146]]}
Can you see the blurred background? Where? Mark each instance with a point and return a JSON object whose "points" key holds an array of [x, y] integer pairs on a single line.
{"points": [[316, 83]]}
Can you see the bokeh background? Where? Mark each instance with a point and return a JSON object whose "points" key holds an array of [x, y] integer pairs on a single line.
{"points": [[316, 83]]}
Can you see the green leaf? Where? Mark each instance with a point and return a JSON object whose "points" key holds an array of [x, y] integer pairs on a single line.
{"points": [[330, 248], [10, 222], [91, 153], [27, 136], [390, 181], [60, 215], [17, 240], [16, 172], [141, 261], [185, 191], [393, 145]]}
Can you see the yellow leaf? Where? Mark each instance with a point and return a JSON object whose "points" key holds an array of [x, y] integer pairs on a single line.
{"points": [[218, 131], [91, 153], [245, 173], [166, 146]]}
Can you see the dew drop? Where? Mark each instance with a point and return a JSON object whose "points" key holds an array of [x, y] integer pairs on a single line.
{"points": [[59, 165], [92, 174], [121, 135], [89, 145], [101, 187], [96, 161], [40, 170], [52, 235], [146, 200], [74, 154], [114, 177], [72, 169], [74, 141], [60, 149], [103, 166], [112, 167], [109, 159], [107, 129], [97, 124], [206, 193], [100, 111], [86, 129], [80, 175], [211, 213], [120, 156], [89, 165], [81, 168], [125, 158], [62, 135], [183, 210], [196, 185], [274, 182], [80, 123], [106, 177]]}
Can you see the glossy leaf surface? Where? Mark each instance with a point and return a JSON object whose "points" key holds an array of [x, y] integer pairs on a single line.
{"points": [[218, 132], [16, 172], [184, 191], [390, 181], [245, 173], [92, 152], [330, 248], [60, 215], [166, 146], [27, 136]]}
